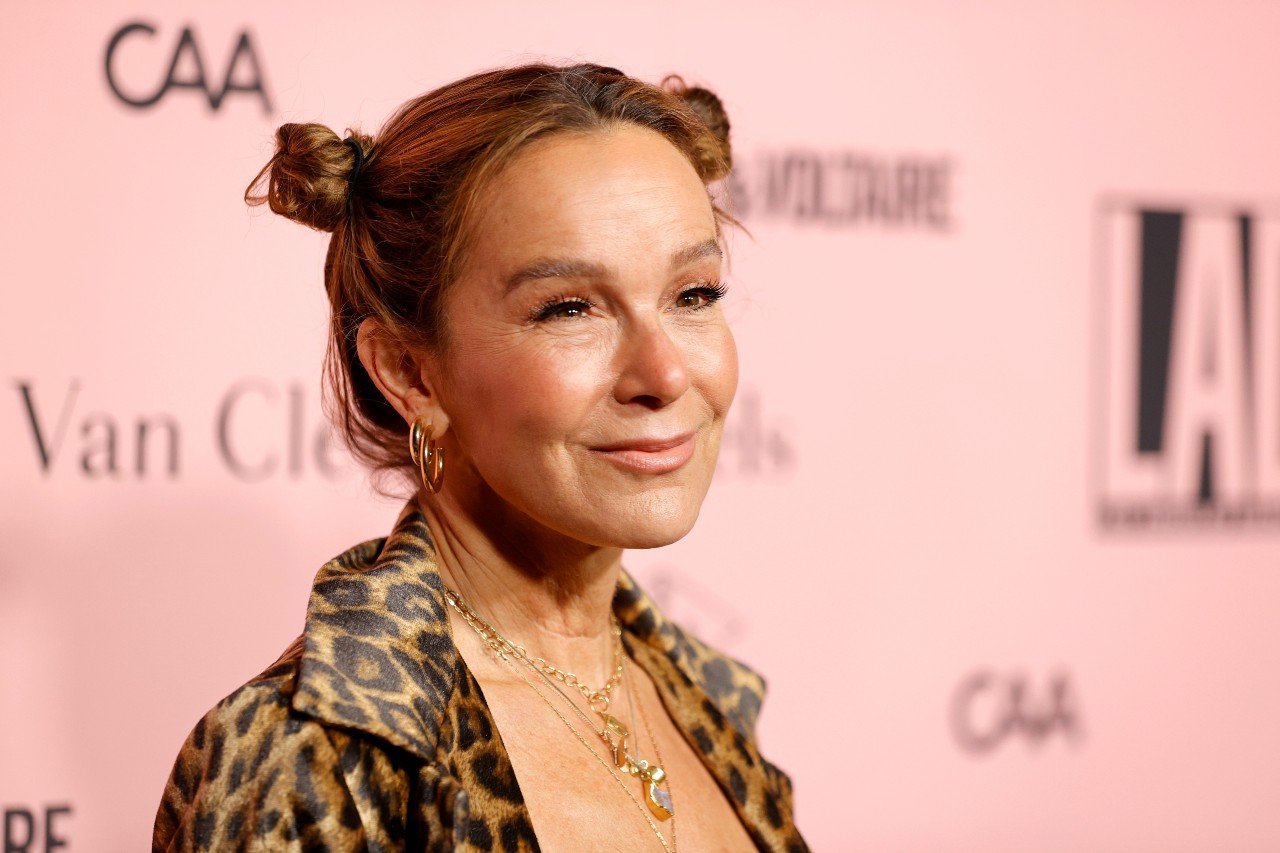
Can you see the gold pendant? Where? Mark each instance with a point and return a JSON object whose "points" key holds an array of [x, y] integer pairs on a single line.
{"points": [[658, 799], [616, 736]]}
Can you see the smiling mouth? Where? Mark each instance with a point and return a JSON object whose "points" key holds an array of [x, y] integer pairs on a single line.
{"points": [[650, 456]]}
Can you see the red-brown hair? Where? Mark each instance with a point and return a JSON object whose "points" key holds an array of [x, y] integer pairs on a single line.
{"points": [[400, 230]]}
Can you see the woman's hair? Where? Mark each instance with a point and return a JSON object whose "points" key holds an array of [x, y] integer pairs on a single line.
{"points": [[400, 228]]}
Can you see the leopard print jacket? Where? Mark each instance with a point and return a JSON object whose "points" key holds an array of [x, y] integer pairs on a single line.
{"points": [[370, 732]]}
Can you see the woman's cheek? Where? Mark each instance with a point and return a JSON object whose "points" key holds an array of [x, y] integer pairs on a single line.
{"points": [[730, 364], [717, 367], [549, 390]]}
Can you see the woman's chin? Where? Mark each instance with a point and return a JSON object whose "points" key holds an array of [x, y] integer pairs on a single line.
{"points": [[653, 528]]}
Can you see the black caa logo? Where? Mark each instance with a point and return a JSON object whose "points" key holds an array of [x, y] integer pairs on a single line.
{"points": [[989, 707], [243, 57], [1187, 365]]}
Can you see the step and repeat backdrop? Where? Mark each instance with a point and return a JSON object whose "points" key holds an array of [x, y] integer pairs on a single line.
{"points": [[998, 509]]}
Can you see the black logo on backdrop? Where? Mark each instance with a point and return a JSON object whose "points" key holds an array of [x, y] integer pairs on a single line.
{"points": [[260, 430], [295, 447], [1187, 365], [34, 830], [754, 446], [242, 72], [989, 708], [844, 189]]}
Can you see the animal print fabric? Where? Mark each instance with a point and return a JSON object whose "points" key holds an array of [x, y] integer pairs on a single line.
{"points": [[370, 732]]}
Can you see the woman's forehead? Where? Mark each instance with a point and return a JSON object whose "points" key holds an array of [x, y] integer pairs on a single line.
{"points": [[595, 194]]}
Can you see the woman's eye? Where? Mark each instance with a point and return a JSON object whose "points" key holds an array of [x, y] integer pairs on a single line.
{"points": [[563, 308], [702, 296]]}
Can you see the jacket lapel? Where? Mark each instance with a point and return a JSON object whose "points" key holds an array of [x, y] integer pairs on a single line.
{"points": [[378, 654], [714, 701], [735, 689]]}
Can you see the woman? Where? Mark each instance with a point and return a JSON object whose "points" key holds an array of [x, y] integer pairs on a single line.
{"points": [[524, 275]]}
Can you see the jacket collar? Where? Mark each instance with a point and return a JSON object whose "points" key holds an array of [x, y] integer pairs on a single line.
{"points": [[379, 655]]}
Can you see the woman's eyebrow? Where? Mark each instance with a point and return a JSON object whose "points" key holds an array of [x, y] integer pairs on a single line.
{"points": [[573, 268], [554, 268], [696, 252]]}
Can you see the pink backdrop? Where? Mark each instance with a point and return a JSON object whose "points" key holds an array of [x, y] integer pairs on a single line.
{"points": [[988, 622]]}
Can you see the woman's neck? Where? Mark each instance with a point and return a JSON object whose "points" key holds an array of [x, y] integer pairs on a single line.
{"points": [[551, 594]]}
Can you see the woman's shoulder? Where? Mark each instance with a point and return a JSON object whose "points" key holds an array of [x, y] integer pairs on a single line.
{"points": [[253, 773]]}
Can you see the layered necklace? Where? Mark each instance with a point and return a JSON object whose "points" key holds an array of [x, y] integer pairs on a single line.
{"points": [[611, 731]]}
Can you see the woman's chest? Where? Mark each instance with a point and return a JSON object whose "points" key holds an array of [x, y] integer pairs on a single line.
{"points": [[577, 795]]}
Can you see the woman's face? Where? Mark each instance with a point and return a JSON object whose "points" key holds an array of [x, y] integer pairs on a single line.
{"points": [[588, 367]]}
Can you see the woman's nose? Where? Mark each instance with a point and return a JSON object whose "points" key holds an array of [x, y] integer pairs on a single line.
{"points": [[652, 369]]}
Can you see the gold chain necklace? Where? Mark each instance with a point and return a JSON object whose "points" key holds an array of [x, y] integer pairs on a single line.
{"points": [[612, 731], [660, 801], [625, 788], [597, 699]]}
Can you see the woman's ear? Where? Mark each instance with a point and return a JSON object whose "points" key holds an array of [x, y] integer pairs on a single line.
{"points": [[404, 376]]}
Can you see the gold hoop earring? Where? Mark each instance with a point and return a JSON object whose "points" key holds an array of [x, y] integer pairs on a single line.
{"points": [[431, 462]]}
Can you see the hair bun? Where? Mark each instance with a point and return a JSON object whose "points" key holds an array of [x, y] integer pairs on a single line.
{"points": [[307, 177], [717, 156]]}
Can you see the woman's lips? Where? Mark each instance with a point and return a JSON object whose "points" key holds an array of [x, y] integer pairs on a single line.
{"points": [[650, 456]]}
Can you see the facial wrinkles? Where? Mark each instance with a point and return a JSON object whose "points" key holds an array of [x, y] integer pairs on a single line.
{"points": [[627, 226], [530, 398], [533, 385], [582, 359]]}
